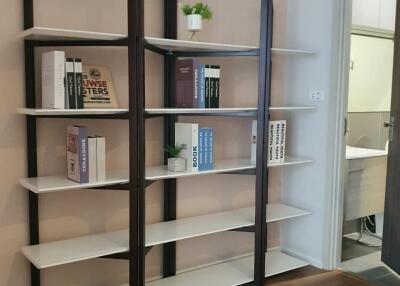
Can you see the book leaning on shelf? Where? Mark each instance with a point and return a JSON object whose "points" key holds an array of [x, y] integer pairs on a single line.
{"points": [[197, 85], [69, 84], [86, 161], [198, 146], [276, 141]]}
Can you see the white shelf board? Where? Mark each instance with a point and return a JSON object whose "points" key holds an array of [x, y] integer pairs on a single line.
{"points": [[200, 110], [171, 45], [45, 33], [192, 46], [291, 108], [56, 112], [232, 273], [77, 249], [212, 223], [221, 166], [48, 184]]}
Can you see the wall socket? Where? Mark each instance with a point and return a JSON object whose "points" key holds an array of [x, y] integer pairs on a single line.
{"points": [[317, 95]]}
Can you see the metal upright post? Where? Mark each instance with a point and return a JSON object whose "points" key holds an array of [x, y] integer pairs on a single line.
{"points": [[170, 32], [262, 142], [31, 136], [136, 142]]}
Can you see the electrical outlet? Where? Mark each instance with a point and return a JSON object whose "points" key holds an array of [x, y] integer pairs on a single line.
{"points": [[317, 95]]}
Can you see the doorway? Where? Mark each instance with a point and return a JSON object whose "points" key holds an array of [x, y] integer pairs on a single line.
{"points": [[364, 167]]}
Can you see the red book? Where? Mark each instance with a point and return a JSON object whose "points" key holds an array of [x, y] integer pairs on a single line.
{"points": [[187, 76]]}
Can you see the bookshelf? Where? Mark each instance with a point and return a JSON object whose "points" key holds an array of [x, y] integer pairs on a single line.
{"points": [[134, 243], [93, 246]]}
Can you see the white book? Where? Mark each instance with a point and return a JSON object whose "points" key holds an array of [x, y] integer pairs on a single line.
{"points": [[273, 142], [53, 72], [188, 135], [92, 146], [101, 158], [282, 142], [254, 141]]}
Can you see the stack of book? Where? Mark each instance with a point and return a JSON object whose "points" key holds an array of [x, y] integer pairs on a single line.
{"points": [[61, 81], [198, 146], [68, 84], [197, 85], [276, 141], [86, 156]]}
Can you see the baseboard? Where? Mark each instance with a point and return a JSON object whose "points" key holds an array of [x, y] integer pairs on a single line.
{"points": [[313, 262]]}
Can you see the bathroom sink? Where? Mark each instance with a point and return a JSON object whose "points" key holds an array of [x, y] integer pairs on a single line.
{"points": [[353, 153]]}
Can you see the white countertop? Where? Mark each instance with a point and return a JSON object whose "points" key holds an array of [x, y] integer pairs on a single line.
{"points": [[353, 153]]}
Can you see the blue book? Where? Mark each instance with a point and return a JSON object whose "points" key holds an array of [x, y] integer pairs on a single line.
{"points": [[206, 149], [202, 86], [210, 153], [201, 149]]}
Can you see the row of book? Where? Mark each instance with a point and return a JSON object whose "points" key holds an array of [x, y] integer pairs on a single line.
{"points": [[61, 81], [276, 141], [198, 146], [197, 84], [86, 155], [69, 84]]}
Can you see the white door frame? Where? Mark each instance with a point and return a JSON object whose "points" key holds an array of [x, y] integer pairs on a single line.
{"points": [[338, 146]]}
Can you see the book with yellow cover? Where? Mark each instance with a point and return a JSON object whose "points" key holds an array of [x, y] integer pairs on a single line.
{"points": [[98, 87]]}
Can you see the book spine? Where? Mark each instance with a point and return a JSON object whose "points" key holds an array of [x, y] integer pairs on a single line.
{"points": [[206, 149], [282, 143], [210, 148], [53, 86], [212, 87], [217, 70], [72, 153], [202, 95], [277, 141], [188, 135], [66, 97], [185, 85], [254, 141], [101, 159], [271, 139], [83, 155], [196, 80], [78, 78], [92, 151], [207, 86], [201, 149], [71, 84]]}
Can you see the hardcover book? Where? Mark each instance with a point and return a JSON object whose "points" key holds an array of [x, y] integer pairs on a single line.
{"points": [[78, 77], [70, 83], [92, 158], [188, 135], [77, 154], [101, 158], [201, 83], [98, 87], [207, 75], [215, 83], [205, 149], [187, 86], [53, 72]]}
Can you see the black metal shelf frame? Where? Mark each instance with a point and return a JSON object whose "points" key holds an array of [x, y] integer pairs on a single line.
{"points": [[136, 44]]}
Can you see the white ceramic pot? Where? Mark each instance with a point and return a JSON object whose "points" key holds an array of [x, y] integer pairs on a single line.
{"points": [[194, 22], [176, 165]]}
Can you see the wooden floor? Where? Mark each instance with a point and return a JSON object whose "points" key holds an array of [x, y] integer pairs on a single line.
{"points": [[310, 276]]}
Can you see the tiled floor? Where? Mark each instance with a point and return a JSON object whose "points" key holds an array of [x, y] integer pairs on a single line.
{"points": [[365, 262]]}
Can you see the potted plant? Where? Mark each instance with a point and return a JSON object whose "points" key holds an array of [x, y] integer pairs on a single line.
{"points": [[175, 163], [195, 15]]}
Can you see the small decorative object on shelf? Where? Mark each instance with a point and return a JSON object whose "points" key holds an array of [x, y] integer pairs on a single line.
{"points": [[176, 163], [194, 17], [98, 87]]}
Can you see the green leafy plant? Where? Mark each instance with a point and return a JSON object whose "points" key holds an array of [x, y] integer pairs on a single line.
{"points": [[197, 9], [174, 151]]}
